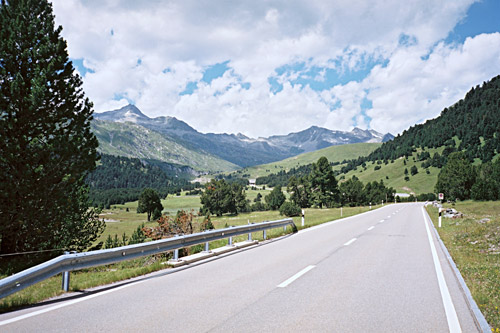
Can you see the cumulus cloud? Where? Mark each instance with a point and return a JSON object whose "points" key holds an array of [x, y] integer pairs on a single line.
{"points": [[154, 54]]}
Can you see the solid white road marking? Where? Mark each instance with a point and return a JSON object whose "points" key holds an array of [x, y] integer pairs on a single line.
{"points": [[350, 242], [451, 314], [371, 228], [296, 276], [62, 305]]}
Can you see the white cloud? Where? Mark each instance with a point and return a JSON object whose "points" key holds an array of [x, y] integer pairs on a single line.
{"points": [[147, 52], [411, 89]]}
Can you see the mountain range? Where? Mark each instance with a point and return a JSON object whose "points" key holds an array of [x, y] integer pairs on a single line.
{"points": [[128, 132]]}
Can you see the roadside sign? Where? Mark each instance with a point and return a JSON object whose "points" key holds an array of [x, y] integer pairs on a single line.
{"points": [[441, 196]]}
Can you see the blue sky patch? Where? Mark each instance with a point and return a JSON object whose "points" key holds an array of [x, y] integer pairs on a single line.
{"points": [[482, 17], [78, 64], [323, 78], [120, 96], [190, 88], [215, 71]]}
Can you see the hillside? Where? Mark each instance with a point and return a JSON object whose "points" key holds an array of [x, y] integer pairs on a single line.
{"points": [[393, 173], [132, 140], [335, 154], [119, 179]]}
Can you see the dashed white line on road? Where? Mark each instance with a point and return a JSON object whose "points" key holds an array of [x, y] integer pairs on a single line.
{"points": [[381, 221], [350, 242], [371, 228], [295, 277]]}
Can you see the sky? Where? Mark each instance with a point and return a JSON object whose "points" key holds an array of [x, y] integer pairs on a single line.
{"points": [[269, 67]]}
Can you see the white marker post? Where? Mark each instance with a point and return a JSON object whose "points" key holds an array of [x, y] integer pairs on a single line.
{"points": [[440, 217], [303, 217]]}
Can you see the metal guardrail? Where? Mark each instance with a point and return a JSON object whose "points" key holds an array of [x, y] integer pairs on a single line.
{"points": [[75, 261]]}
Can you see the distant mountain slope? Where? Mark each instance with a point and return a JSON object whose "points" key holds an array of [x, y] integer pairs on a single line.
{"points": [[334, 154], [239, 149], [133, 140]]}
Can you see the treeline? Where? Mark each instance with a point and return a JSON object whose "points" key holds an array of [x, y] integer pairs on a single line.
{"points": [[317, 188], [119, 179], [282, 177], [460, 179]]}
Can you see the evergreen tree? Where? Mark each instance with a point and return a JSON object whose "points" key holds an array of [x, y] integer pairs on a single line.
{"points": [[275, 199], [137, 236], [47, 146], [299, 190], [324, 188], [220, 197], [352, 191], [456, 178], [149, 202]]}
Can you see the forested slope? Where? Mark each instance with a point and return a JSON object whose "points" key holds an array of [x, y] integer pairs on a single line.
{"points": [[119, 179]]}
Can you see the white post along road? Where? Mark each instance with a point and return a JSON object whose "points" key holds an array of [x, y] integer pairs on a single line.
{"points": [[381, 271]]}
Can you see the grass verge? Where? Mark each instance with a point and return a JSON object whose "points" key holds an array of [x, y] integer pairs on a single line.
{"points": [[474, 244], [102, 275]]}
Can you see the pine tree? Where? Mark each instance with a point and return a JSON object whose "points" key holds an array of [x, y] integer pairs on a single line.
{"points": [[324, 187], [456, 178], [47, 146], [149, 202], [275, 199]]}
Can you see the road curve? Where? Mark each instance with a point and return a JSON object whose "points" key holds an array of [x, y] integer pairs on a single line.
{"points": [[373, 272]]}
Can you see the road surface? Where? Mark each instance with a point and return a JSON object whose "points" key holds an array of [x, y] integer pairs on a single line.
{"points": [[381, 271]]}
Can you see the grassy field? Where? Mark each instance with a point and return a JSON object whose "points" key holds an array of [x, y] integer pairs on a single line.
{"points": [[474, 244], [333, 153], [119, 220], [96, 276], [393, 174]]}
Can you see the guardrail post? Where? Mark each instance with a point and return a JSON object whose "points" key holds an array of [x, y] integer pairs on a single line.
{"points": [[230, 241], [264, 235], [249, 234], [207, 249], [176, 252], [65, 278]]}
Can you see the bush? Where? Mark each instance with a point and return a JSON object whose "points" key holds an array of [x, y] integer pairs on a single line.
{"points": [[259, 206], [289, 209]]}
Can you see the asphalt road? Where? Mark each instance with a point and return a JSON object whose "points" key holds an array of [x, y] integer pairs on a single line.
{"points": [[374, 272]]}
